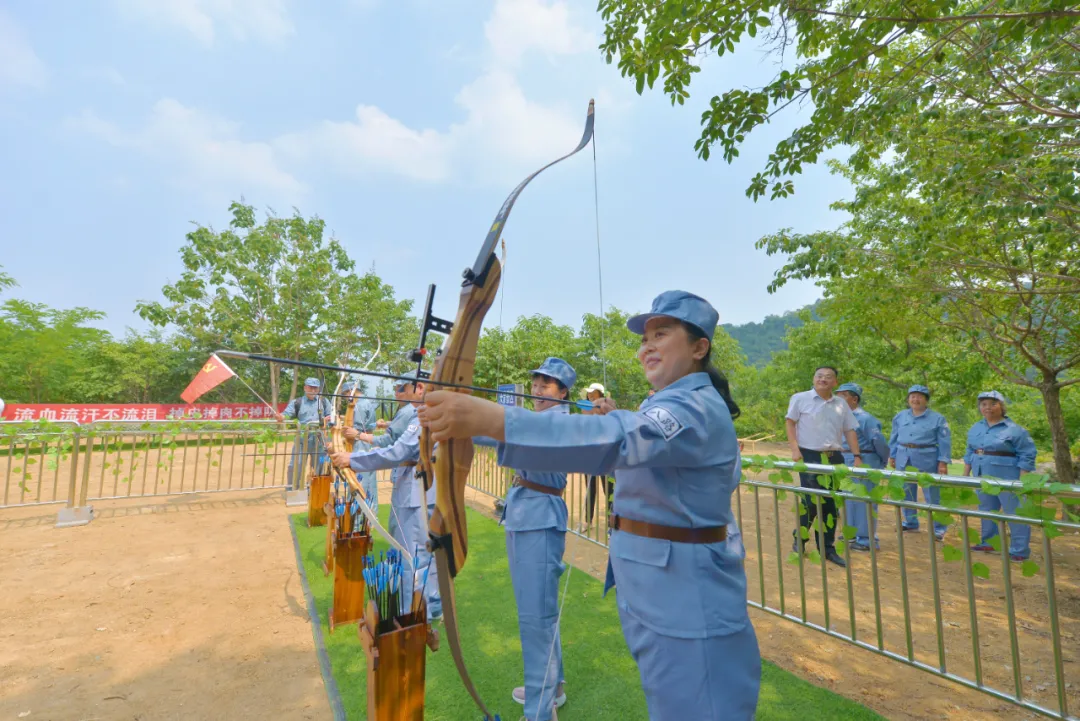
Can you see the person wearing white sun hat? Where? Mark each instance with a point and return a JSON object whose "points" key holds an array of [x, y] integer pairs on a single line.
{"points": [[594, 393]]}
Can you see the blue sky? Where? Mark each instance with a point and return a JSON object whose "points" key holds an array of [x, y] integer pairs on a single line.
{"points": [[402, 123]]}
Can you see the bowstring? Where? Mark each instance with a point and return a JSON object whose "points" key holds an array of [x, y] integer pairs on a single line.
{"points": [[556, 636], [599, 265], [502, 299]]}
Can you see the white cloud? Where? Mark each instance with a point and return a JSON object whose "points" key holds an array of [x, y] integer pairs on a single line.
{"points": [[19, 64], [203, 151], [266, 20], [502, 133], [518, 26], [510, 127], [106, 74], [374, 142]]}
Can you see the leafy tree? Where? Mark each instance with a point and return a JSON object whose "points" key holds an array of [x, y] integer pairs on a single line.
{"points": [[44, 348], [507, 355], [602, 351], [280, 288], [150, 368], [609, 356], [6, 281], [916, 245], [864, 65]]}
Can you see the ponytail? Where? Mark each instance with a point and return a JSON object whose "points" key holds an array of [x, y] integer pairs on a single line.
{"points": [[718, 379]]}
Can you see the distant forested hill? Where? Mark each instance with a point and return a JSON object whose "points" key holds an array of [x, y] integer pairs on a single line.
{"points": [[760, 340]]}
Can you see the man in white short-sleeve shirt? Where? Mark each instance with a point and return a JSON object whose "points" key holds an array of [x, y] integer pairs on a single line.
{"points": [[817, 423]]}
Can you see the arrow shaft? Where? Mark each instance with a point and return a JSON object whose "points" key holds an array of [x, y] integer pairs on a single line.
{"points": [[584, 405]]}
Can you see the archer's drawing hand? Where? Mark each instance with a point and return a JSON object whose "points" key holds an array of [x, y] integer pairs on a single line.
{"points": [[603, 406], [456, 415]]}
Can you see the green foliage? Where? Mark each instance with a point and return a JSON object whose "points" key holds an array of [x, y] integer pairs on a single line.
{"points": [[604, 351], [960, 259], [150, 368], [44, 349], [759, 341], [865, 66], [950, 291], [280, 288]]}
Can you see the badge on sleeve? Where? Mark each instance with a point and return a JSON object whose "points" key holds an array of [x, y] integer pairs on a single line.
{"points": [[664, 420]]}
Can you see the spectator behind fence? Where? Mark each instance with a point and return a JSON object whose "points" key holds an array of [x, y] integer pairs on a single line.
{"points": [[817, 422], [872, 451], [921, 439], [309, 410], [999, 448], [594, 393]]}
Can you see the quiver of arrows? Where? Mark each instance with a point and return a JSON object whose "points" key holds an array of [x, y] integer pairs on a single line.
{"points": [[318, 500], [396, 649], [349, 583]]}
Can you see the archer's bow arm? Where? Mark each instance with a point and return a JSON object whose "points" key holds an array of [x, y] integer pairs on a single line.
{"points": [[406, 448]]}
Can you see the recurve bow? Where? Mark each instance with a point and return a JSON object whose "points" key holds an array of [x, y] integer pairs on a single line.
{"points": [[448, 464]]}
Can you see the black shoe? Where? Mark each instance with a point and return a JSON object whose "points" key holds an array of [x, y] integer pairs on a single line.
{"points": [[832, 555]]}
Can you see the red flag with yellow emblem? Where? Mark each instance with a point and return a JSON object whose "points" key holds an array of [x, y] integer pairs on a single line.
{"points": [[210, 376]]}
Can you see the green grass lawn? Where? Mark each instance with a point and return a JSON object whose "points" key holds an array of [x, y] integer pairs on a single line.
{"points": [[602, 680]]}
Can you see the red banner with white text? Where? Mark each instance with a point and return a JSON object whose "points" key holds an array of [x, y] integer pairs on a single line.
{"points": [[83, 413]]}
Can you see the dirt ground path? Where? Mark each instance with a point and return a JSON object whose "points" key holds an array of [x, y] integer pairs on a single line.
{"points": [[177, 608]]}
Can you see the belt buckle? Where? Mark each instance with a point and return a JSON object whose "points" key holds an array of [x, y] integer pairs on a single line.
{"points": [[980, 452]]}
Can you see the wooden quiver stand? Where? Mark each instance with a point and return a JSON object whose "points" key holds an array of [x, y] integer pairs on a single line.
{"points": [[396, 665], [338, 528], [349, 586], [318, 499]]}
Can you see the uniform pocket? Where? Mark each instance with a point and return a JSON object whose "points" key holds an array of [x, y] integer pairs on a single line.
{"points": [[649, 551], [722, 585]]}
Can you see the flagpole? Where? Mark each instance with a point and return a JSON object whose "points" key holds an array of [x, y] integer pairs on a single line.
{"points": [[272, 409], [214, 356]]}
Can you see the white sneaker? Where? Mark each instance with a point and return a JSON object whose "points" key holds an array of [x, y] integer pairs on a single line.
{"points": [[560, 695]]}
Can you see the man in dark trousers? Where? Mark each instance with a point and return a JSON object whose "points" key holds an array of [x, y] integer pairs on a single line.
{"points": [[817, 422]]}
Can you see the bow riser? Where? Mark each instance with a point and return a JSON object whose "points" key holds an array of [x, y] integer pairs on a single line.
{"points": [[453, 459]]}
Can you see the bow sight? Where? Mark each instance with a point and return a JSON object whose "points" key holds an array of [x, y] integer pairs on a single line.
{"points": [[428, 323]]}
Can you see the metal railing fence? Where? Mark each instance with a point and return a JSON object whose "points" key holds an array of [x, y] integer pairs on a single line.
{"points": [[73, 464], [587, 497], [1009, 630], [929, 604]]}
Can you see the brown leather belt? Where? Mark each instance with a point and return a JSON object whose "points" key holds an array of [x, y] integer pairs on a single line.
{"points": [[679, 534], [538, 487], [409, 464], [981, 452], [919, 445]]}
